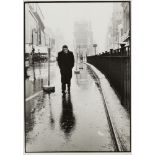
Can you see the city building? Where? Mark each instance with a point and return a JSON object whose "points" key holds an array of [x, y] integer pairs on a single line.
{"points": [[34, 27], [115, 27], [83, 39], [119, 27], [37, 36], [109, 40], [126, 23]]}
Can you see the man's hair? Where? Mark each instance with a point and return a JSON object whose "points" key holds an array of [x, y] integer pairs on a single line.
{"points": [[64, 46]]}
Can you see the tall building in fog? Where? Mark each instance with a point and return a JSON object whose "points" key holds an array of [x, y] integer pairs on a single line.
{"points": [[34, 26], [115, 27], [119, 27], [36, 34], [83, 38], [126, 23]]}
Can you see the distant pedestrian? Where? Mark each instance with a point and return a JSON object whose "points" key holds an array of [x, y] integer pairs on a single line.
{"points": [[66, 63]]}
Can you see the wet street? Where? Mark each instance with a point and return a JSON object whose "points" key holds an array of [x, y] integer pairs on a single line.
{"points": [[73, 122]]}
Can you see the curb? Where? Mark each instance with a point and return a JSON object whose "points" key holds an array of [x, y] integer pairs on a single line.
{"points": [[123, 145], [32, 96]]}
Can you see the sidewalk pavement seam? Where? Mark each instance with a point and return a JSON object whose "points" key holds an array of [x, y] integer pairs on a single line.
{"points": [[32, 96]]}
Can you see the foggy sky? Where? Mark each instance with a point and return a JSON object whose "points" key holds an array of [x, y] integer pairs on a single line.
{"points": [[61, 17]]}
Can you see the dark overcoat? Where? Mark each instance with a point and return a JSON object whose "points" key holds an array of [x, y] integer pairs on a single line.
{"points": [[66, 63]]}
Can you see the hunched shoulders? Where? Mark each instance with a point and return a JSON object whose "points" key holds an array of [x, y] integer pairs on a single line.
{"points": [[59, 52], [71, 52]]}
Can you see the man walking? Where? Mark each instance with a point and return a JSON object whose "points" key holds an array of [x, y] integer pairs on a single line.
{"points": [[66, 63]]}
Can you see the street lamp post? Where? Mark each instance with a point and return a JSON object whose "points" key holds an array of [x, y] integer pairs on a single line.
{"points": [[81, 58], [77, 71], [48, 88], [49, 55]]}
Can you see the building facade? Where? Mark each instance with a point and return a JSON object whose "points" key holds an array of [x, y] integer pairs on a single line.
{"points": [[34, 27], [126, 23], [115, 27], [119, 27], [83, 39]]}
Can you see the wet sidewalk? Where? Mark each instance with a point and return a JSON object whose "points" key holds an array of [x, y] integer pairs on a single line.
{"points": [[73, 122], [120, 118]]}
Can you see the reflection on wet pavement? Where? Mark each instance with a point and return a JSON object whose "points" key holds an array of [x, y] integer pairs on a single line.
{"points": [[75, 121], [38, 77], [67, 121]]}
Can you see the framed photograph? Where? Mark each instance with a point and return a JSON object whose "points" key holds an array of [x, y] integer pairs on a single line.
{"points": [[77, 77]]}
